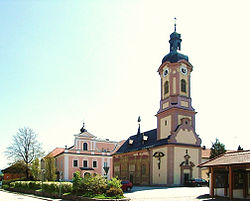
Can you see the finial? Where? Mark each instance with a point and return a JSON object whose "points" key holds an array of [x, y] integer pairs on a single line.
{"points": [[175, 24], [139, 126], [139, 119]]}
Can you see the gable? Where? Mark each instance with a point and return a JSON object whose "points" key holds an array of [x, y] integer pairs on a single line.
{"points": [[185, 136]]}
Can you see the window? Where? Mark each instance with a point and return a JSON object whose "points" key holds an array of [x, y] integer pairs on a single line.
{"points": [[85, 146], [105, 164], [75, 163], [166, 87], [183, 86], [85, 163], [86, 174], [221, 179], [94, 164], [238, 179], [166, 122]]}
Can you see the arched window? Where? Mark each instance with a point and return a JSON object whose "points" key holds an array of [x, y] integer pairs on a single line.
{"points": [[85, 146], [86, 174], [183, 86], [166, 87]]}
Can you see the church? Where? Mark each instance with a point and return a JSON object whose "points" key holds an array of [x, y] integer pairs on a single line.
{"points": [[169, 154]]}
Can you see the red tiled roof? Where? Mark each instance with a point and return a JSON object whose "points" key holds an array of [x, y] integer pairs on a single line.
{"points": [[55, 152], [205, 153], [229, 158]]}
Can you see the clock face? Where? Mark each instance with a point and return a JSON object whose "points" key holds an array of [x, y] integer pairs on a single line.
{"points": [[184, 70], [165, 72]]}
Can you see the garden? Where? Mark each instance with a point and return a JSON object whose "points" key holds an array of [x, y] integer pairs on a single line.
{"points": [[91, 187]]}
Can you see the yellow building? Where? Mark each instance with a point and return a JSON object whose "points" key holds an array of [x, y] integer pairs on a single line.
{"points": [[169, 154]]}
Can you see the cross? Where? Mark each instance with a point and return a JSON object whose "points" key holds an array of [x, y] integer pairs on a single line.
{"points": [[175, 24]]}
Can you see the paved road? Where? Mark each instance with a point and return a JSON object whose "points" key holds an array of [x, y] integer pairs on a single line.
{"points": [[10, 196], [169, 194]]}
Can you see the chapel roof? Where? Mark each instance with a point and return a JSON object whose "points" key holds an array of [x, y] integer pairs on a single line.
{"points": [[139, 144]]}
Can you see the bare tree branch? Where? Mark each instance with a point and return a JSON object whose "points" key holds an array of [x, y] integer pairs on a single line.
{"points": [[24, 147]]}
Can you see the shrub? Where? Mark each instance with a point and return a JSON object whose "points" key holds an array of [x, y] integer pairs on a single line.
{"points": [[67, 187], [50, 186], [7, 182], [95, 184], [114, 188], [5, 186], [77, 182], [114, 192], [35, 185], [114, 182]]}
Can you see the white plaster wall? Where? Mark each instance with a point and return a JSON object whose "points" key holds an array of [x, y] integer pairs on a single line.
{"points": [[160, 175], [179, 154], [66, 167]]}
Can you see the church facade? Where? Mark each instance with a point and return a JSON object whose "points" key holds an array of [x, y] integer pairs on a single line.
{"points": [[169, 154]]}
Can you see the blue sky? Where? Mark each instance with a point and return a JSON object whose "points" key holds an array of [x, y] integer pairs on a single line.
{"points": [[63, 62]]}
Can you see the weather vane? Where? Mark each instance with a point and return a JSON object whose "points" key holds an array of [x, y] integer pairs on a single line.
{"points": [[175, 24]]}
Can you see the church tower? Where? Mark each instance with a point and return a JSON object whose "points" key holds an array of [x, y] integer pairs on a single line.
{"points": [[175, 104]]}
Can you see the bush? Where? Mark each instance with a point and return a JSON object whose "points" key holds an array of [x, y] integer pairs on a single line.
{"points": [[50, 186], [5, 186], [114, 188], [114, 192], [7, 182], [66, 187], [114, 182], [35, 185], [77, 182], [95, 184]]}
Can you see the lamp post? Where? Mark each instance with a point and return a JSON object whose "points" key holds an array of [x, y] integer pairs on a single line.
{"points": [[60, 186], [43, 177]]}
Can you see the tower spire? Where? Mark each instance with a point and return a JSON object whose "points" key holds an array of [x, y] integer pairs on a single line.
{"points": [[175, 24], [139, 126]]}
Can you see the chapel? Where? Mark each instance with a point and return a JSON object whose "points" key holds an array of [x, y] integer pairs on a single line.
{"points": [[169, 154]]}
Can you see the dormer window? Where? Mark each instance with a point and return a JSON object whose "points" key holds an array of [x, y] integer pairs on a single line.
{"points": [[85, 146], [130, 141], [145, 138]]}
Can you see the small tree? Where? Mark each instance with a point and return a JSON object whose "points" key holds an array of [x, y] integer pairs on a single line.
{"points": [[217, 148], [50, 168], [35, 169], [240, 148], [24, 147]]}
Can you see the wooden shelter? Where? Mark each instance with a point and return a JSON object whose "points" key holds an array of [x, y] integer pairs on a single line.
{"points": [[230, 174]]}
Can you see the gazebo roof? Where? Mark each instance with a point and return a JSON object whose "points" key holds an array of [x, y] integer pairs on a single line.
{"points": [[229, 158]]}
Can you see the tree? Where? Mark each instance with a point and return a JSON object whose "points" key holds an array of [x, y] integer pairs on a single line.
{"points": [[217, 148], [50, 168], [24, 147], [35, 169], [240, 148]]}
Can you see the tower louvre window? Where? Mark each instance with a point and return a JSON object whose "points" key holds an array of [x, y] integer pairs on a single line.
{"points": [[166, 87], [183, 86]]}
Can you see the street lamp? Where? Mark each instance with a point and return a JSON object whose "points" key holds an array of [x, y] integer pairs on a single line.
{"points": [[43, 177]]}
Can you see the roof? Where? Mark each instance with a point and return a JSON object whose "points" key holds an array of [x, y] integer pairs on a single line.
{"points": [[205, 153], [55, 152], [229, 158], [173, 57], [139, 143]]}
